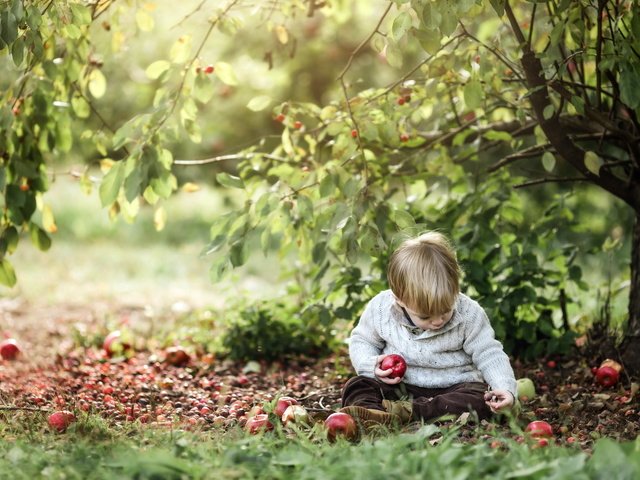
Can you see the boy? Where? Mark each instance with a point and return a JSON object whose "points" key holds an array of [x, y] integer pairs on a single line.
{"points": [[444, 336]]}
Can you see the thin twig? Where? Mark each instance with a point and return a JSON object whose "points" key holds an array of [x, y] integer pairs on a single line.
{"points": [[551, 180], [494, 51], [344, 86]]}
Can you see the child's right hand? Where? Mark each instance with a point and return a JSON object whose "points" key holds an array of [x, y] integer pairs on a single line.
{"points": [[383, 374]]}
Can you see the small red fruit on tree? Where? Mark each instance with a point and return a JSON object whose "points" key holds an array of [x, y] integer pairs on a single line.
{"points": [[24, 187], [280, 117], [297, 124], [9, 349], [61, 420], [258, 423], [400, 101], [282, 403], [539, 428], [551, 364], [354, 133], [396, 363], [404, 137], [340, 424], [209, 69]]}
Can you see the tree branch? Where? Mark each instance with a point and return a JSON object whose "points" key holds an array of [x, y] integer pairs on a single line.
{"points": [[540, 181]]}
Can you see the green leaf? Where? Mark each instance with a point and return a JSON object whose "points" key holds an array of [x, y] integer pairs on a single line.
{"points": [[39, 237], [97, 83], [17, 51], [111, 184], [630, 85], [259, 103], [429, 40], [7, 273], [401, 25], [548, 112], [157, 68], [394, 55], [593, 162], [473, 94], [144, 20], [498, 6], [203, 89], [9, 31], [548, 161], [181, 50], [225, 73], [231, 181]]}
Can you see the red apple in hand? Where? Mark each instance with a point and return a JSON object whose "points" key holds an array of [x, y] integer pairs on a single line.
{"points": [[539, 428], [282, 404], [61, 420], [9, 349], [258, 423], [341, 424], [396, 363]]}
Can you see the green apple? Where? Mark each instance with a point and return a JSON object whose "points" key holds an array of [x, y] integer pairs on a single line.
{"points": [[526, 389]]}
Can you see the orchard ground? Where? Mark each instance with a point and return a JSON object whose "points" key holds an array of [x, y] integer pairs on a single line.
{"points": [[54, 372]]}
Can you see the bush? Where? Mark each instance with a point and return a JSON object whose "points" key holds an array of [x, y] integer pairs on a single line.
{"points": [[271, 330]]}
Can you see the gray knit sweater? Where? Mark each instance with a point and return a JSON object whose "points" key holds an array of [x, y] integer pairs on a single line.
{"points": [[464, 350]]}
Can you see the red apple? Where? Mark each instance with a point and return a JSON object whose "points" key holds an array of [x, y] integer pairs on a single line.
{"points": [[613, 364], [9, 349], [539, 428], [341, 424], [282, 404], [61, 420], [396, 363], [177, 356], [114, 345], [607, 376], [295, 414], [258, 423]]}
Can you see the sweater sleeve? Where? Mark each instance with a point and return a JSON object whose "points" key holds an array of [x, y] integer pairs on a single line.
{"points": [[366, 343], [487, 352]]}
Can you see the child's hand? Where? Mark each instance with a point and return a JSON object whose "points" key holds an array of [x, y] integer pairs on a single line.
{"points": [[383, 374], [498, 399]]}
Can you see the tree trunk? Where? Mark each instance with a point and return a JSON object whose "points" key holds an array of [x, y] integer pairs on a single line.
{"points": [[630, 348]]}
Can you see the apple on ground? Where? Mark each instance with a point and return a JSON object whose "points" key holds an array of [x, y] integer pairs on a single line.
{"points": [[341, 424], [539, 429], [258, 423], [526, 389], [61, 420], [296, 414], [114, 344], [282, 403], [396, 363], [9, 349], [607, 376], [255, 410], [176, 356]]}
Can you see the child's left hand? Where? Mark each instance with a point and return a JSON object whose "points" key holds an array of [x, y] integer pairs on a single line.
{"points": [[499, 399]]}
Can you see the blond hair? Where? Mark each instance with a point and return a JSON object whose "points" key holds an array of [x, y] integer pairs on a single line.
{"points": [[424, 274]]}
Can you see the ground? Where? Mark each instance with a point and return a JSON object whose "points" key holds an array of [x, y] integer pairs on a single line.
{"points": [[54, 372]]}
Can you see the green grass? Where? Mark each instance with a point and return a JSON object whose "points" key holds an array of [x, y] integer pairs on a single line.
{"points": [[95, 259], [91, 451]]}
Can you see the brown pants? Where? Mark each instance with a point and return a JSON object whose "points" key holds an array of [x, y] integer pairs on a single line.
{"points": [[427, 403]]}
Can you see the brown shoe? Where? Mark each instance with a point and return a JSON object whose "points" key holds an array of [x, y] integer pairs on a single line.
{"points": [[370, 417], [403, 409]]}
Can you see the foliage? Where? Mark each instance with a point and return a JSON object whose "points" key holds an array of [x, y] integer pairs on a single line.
{"points": [[180, 454], [275, 330], [547, 89]]}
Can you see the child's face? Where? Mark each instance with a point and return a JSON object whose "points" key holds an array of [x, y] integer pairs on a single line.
{"points": [[425, 321]]}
